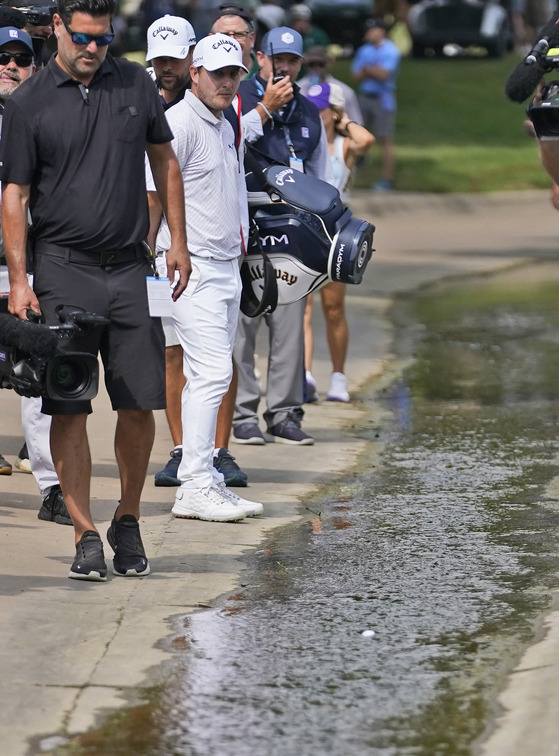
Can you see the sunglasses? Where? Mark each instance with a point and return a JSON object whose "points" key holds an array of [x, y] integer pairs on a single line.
{"points": [[316, 64], [22, 60], [80, 38]]}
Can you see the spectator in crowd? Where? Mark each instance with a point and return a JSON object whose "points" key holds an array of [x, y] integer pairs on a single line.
{"points": [[287, 132], [527, 18], [301, 20], [375, 68], [38, 16], [268, 14], [170, 43], [17, 65], [347, 142], [76, 173], [238, 23], [318, 62], [205, 315]]}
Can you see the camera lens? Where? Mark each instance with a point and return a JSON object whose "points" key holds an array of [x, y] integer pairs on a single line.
{"points": [[72, 376], [69, 376]]}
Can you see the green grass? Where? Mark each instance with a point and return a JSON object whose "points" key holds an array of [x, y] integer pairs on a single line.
{"points": [[456, 131]]}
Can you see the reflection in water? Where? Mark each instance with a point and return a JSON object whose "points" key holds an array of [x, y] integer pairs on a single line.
{"points": [[386, 624]]}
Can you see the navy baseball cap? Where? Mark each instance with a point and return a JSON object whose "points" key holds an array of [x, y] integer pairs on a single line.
{"points": [[282, 40], [11, 34]]}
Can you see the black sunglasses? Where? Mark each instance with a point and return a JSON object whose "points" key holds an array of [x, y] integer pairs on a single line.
{"points": [[22, 60], [81, 38]]}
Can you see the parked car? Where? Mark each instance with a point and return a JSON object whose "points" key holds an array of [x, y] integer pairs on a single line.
{"points": [[342, 20], [434, 24]]}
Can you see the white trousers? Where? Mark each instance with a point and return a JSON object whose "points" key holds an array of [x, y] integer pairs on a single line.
{"points": [[36, 430], [205, 317]]}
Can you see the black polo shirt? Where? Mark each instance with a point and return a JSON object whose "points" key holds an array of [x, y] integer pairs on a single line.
{"points": [[82, 152]]}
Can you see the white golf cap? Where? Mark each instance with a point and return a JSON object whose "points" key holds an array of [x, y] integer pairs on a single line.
{"points": [[218, 51], [170, 37]]}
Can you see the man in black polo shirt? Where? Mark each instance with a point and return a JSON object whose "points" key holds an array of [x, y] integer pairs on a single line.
{"points": [[74, 155]]}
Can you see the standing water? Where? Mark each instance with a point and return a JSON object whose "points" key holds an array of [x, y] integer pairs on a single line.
{"points": [[385, 622]]}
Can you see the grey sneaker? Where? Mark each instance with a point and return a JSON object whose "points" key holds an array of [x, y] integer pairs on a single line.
{"points": [[53, 508], [5, 466], [89, 563], [125, 540], [248, 433], [289, 431]]}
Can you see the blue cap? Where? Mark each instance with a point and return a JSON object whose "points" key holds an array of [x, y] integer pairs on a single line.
{"points": [[282, 40], [11, 34]]}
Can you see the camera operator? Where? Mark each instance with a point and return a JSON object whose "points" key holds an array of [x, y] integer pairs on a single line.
{"points": [[289, 133], [74, 154], [36, 426], [38, 16]]}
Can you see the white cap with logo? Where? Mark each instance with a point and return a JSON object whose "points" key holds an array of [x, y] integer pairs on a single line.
{"points": [[218, 51], [170, 37]]}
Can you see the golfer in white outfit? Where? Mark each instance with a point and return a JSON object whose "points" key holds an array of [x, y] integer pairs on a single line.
{"points": [[205, 315]]}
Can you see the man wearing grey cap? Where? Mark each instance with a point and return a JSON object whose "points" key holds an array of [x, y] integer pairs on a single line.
{"points": [[205, 315], [292, 135]]}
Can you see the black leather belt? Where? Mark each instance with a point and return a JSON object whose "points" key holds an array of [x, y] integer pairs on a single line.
{"points": [[102, 259]]}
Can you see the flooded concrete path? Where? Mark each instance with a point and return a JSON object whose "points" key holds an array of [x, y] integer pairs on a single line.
{"points": [[385, 621]]}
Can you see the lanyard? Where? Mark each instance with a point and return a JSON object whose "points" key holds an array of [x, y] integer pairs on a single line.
{"points": [[289, 141]]}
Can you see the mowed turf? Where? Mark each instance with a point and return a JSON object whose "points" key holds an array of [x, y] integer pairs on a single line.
{"points": [[456, 131]]}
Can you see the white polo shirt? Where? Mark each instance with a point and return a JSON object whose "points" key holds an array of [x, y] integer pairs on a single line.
{"points": [[214, 182]]}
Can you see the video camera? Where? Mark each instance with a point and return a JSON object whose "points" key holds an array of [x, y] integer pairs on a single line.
{"points": [[301, 238], [38, 15], [33, 361], [38, 12], [544, 114]]}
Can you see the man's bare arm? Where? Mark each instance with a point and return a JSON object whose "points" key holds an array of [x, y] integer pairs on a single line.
{"points": [[168, 182], [15, 206], [155, 215]]}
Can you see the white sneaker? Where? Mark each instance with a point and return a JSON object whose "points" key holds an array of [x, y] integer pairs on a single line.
{"points": [[312, 389], [250, 508], [206, 504], [338, 388]]}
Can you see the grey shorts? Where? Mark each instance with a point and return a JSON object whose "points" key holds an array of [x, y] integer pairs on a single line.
{"points": [[131, 346], [379, 121]]}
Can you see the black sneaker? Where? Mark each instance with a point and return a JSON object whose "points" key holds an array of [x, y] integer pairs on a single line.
{"points": [[126, 542], [89, 563], [5, 466], [289, 431], [232, 473], [53, 508], [168, 476]]}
